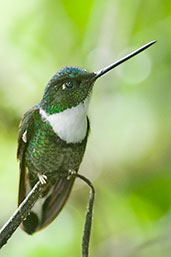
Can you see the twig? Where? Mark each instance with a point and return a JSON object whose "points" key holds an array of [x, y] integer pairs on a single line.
{"points": [[89, 216], [21, 213], [25, 207]]}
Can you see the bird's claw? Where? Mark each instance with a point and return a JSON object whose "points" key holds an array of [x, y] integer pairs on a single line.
{"points": [[42, 178], [71, 174]]}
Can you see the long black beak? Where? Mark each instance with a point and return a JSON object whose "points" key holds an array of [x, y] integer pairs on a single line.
{"points": [[113, 65]]}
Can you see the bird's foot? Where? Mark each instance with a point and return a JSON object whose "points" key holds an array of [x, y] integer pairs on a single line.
{"points": [[42, 178], [71, 174]]}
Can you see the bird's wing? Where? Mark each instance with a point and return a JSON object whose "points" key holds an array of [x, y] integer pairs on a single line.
{"points": [[56, 200], [25, 131]]}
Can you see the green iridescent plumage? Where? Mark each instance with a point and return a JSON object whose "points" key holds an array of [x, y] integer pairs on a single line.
{"points": [[70, 72]]}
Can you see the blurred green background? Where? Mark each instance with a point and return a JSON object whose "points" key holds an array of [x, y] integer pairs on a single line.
{"points": [[128, 156]]}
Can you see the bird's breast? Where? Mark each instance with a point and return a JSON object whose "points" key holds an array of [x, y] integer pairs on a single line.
{"points": [[70, 125]]}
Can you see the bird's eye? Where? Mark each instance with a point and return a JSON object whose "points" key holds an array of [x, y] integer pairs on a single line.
{"points": [[69, 84]]}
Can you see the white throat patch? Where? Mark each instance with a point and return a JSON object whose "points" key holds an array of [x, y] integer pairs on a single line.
{"points": [[71, 124]]}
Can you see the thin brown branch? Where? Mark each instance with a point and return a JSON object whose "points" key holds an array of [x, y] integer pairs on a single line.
{"points": [[21, 213], [89, 216]]}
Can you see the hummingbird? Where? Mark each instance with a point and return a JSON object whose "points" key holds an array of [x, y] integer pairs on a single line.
{"points": [[52, 140]]}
